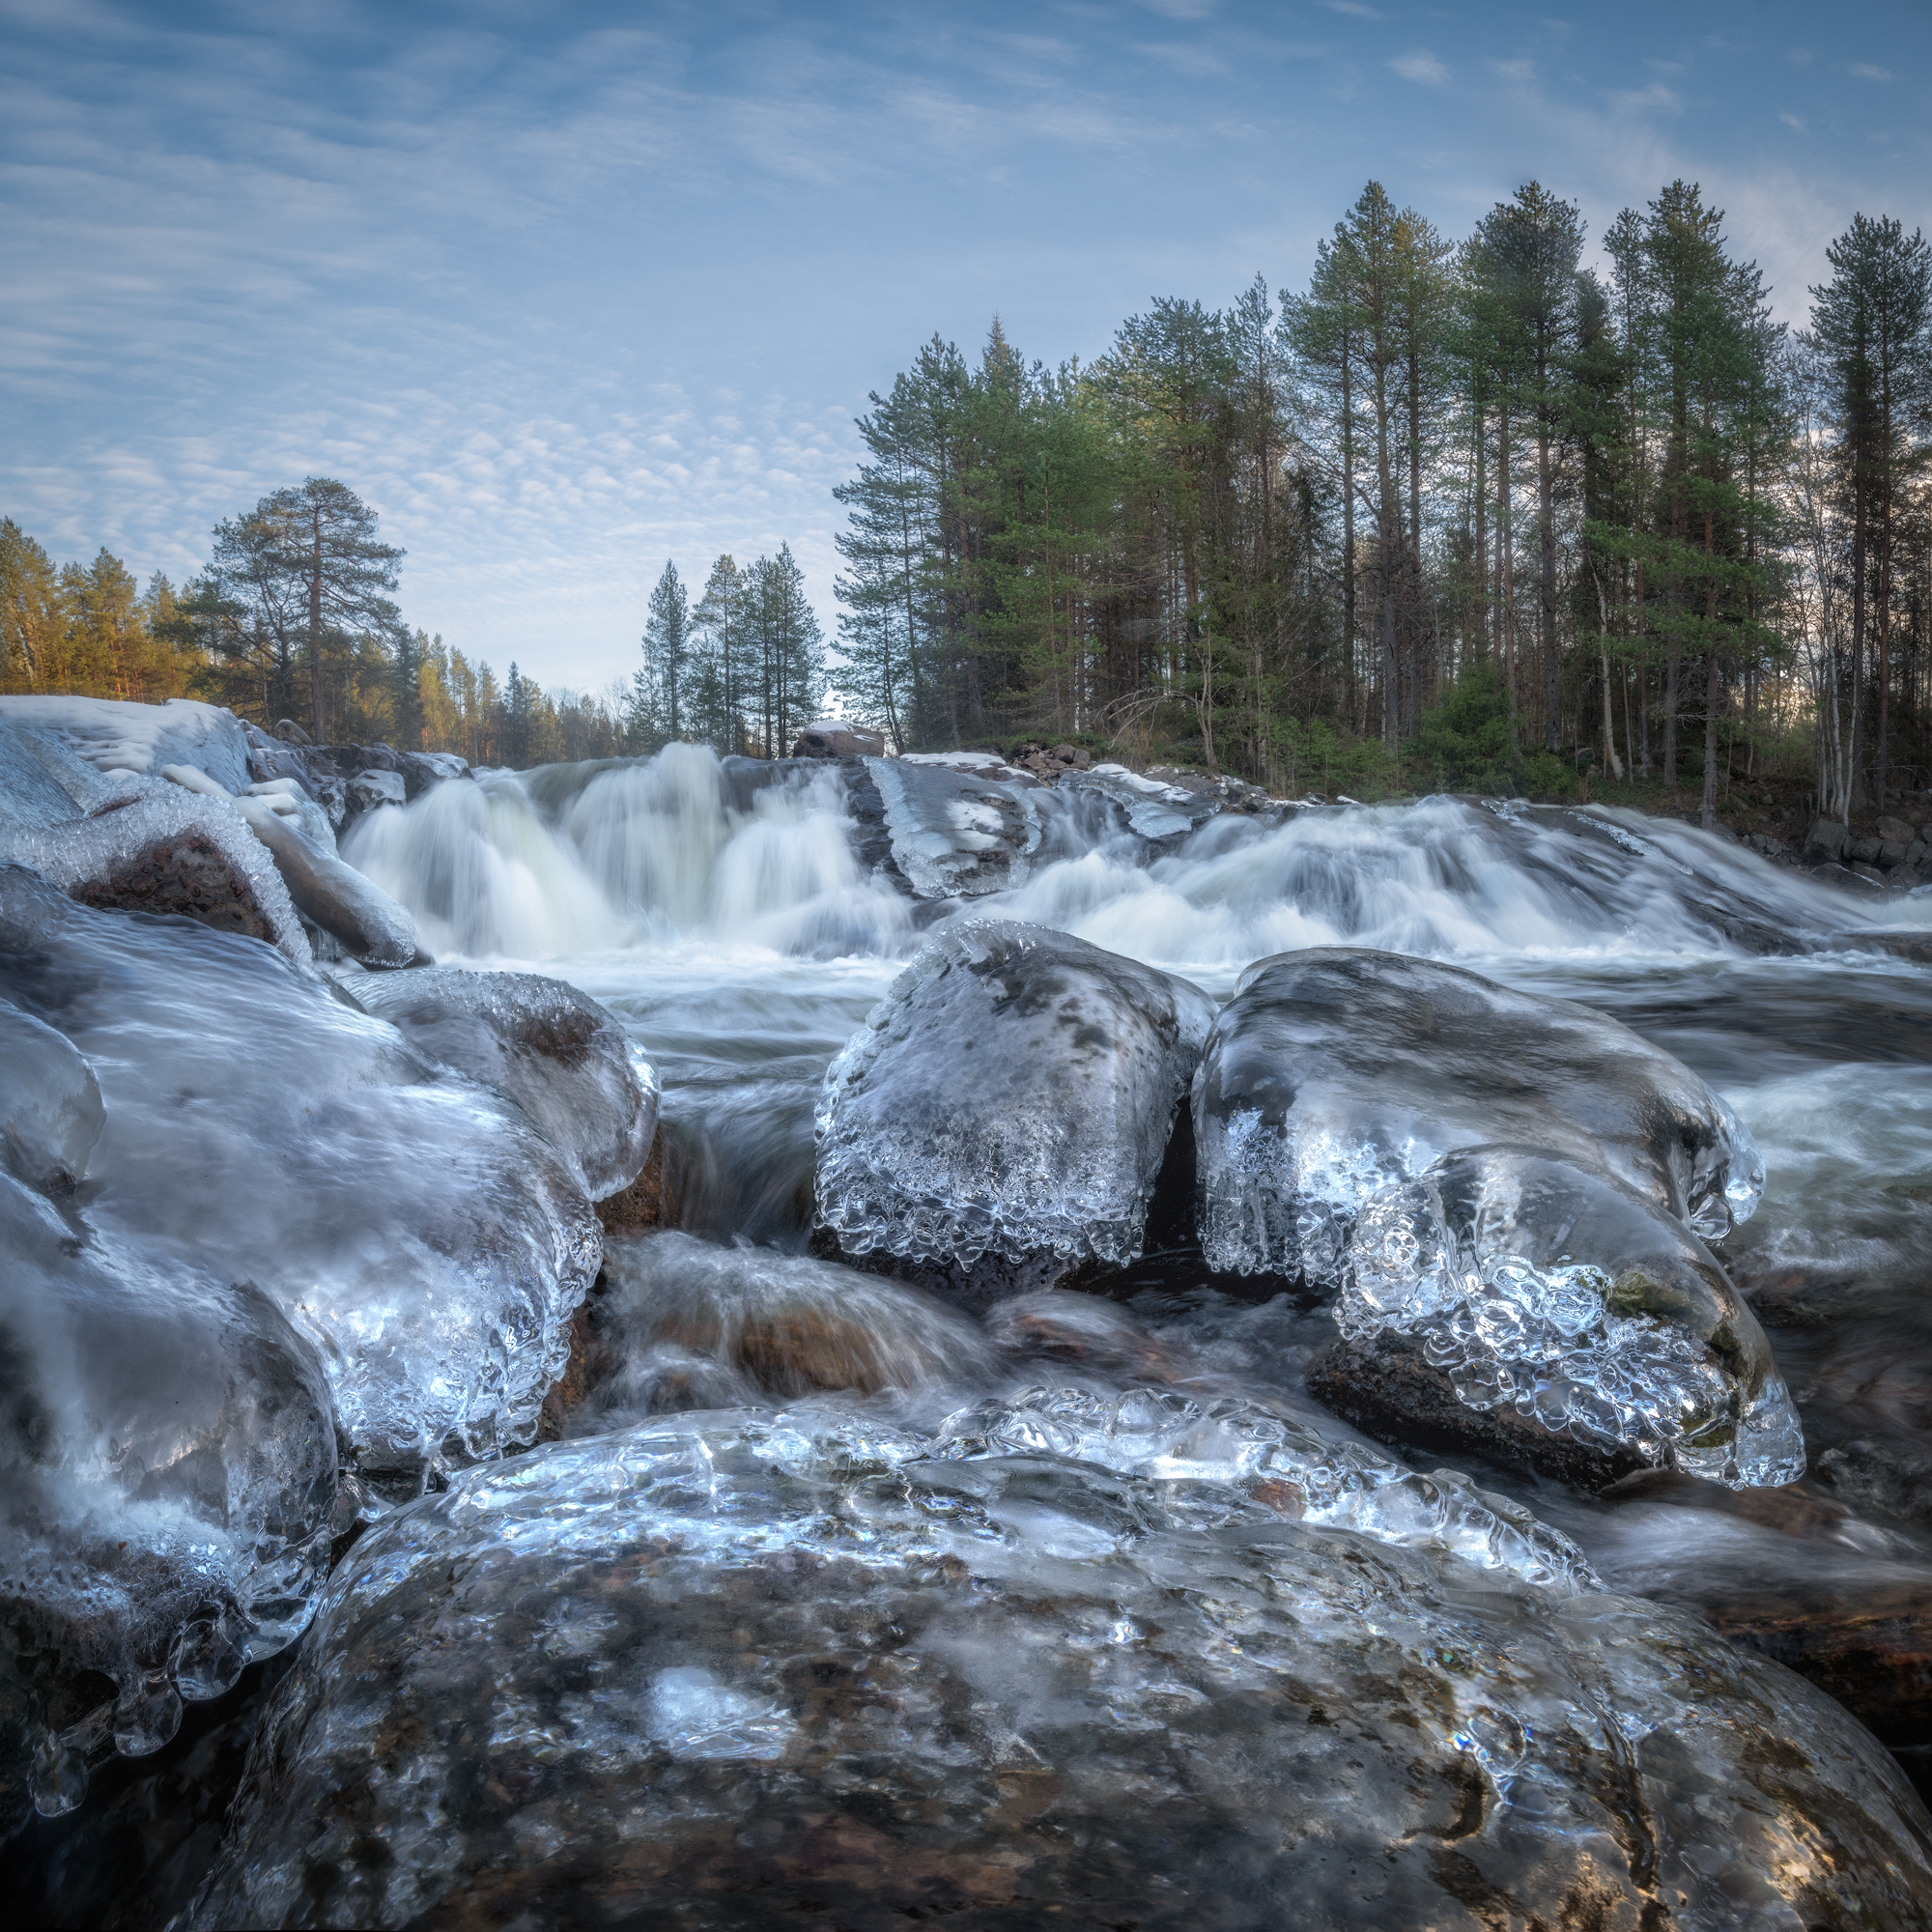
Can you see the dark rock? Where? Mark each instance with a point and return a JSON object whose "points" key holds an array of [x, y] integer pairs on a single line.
{"points": [[186, 875], [831, 738], [1825, 841], [367, 791], [1894, 831]]}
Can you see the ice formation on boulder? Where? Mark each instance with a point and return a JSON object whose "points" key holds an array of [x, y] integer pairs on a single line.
{"points": [[116, 736], [1535, 1285], [1011, 1094], [167, 1447], [1335, 1071], [422, 1236], [752, 1666], [563, 1059], [955, 829]]}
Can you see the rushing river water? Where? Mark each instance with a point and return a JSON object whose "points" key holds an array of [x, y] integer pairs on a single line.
{"points": [[738, 932]]}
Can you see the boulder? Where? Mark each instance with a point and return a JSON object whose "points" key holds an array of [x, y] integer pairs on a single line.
{"points": [[418, 1233], [563, 1059], [1010, 1098], [956, 829], [1336, 1071], [750, 1667], [1894, 831], [1546, 1315], [349, 907], [138, 739], [833, 738], [370, 789], [1825, 841]]}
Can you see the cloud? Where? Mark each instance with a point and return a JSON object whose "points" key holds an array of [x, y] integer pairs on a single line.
{"points": [[1792, 121], [1865, 72], [1522, 71], [1353, 8], [1641, 100], [1421, 65]]}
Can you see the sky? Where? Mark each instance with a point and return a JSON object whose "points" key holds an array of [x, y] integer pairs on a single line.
{"points": [[566, 291]]}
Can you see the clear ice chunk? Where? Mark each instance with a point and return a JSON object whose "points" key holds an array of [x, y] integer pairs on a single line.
{"points": [[1011, 1094], [1337, 1070], [1570, 1299]]}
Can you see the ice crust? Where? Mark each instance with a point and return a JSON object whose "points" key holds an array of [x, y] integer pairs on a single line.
{"points": [[115, 736], [1011, 1094], [418, 1231], [167, 1449], [1336, 1071], [1540, 1287], [562, 1058], [748, 1662]]}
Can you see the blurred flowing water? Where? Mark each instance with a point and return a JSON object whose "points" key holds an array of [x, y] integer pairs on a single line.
{"points": [[730, 912]]}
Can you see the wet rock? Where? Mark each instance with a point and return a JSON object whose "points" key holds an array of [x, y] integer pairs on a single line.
{"points": [[1567, 1314], [650, 1201], [563, 1059], [349, 907], [1008, 1100], [751, 1667], [368, 790], [833, 738], [1335, 1071]]}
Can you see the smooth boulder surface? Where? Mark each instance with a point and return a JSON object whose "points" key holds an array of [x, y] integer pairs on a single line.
{"points": [[562, 1058], [1337, 1070], [116, 736], [1564, 1319], [724, 1673], [422, 1236], [1011, 1096]]}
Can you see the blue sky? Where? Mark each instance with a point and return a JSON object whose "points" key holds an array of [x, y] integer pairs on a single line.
{"points": [[565, 289]]}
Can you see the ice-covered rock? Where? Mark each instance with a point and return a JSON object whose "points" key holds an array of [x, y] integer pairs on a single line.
{"points": [[748, 1668], [563, 1059], [1576, 1326], [835, 738], [367, 791], [1011, 1095], [167, 1447], [956, 829], [116, 736], [424, 1238], [1335, 1071], [1153, 809]]}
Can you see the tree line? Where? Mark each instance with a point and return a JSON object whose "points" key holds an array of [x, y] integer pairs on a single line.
{"points": [[1458, 511]]}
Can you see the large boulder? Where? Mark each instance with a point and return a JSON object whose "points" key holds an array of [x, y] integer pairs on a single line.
{"points": [[1010, 1099], [957, 829], [833, 738], [420, 1235], [1547, 1314], [115, 736], [748, 1668], [167, 1451], [1337, 1070], [563, 1059]]}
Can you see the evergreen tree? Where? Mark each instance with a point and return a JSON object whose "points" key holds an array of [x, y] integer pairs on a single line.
{"points": [[657, 700]]}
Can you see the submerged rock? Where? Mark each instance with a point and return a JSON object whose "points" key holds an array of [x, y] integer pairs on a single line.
{"points": [[563, 1059], [1337, 1070], [1564, 1319], [721, 1673], [1010, 1098]]}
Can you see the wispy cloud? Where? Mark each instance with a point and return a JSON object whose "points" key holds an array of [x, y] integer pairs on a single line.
{"points": [[1792, 121], [1355, 8], [1522, 72], [1420, 66], [1864, 72]]}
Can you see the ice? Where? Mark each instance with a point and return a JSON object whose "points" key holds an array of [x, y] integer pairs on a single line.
{"points": [[563, 1059], [748, 1666], [956, 829], [167, 1448], [115, 736], [1335, 1071], [1542, 1288], [421, 1235], [1011, 1094]]}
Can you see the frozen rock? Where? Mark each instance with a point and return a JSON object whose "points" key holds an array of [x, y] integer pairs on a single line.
{"points": [[167, 1448], [1335, 1071], [1543, 1313], [748, 1668], [43, 784], [422, 1236], [955, 829], [563, 1059], [1011, 1095], [1153, 809], [833, 738], [287, 797], [114, 737], [372, 788], [351, 908]]}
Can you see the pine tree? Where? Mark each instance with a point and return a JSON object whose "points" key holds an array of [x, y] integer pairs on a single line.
{"points": [[657, 710]]}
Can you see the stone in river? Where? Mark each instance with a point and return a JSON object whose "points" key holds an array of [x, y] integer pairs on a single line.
{"points": [[1335, 1071], [1006, 1106], [723, 1672]]}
